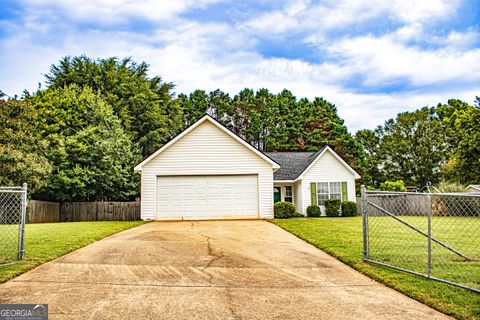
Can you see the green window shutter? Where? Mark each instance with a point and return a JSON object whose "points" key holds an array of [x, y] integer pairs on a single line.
{"points": [[344, 191], [313, 193]]}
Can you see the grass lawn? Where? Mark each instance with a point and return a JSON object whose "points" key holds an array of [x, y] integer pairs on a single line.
{"points": [[342, 238], [47, 241]]}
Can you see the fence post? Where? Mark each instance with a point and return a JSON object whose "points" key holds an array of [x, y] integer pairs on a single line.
{"points": [[364, 222], [21, 238], [429, 246]]}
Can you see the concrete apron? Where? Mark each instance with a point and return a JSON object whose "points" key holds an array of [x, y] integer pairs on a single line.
{"points": [[207, 270]]}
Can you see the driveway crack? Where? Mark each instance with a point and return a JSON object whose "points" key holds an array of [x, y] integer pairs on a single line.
{"points": [[211, 253], [230, 304]]}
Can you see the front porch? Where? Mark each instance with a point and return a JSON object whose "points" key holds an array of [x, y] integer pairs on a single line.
{"points": [[288, 192]]}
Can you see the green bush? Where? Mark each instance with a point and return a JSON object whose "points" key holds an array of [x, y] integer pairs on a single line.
{"points": [[283, 210], [349, 209], [332, 207], [313, 211], [398, 185]]}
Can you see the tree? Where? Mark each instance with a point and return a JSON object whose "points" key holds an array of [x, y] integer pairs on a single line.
{"points": [[373, 175], [145, 106], [412, 147], [467, 164], [21, 146], [92, 156]]}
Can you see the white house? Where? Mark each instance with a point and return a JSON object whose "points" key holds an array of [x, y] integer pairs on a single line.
{"points": [[208, 172]]}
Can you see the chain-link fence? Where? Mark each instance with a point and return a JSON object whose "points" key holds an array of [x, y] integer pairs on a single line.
{"points": [[434, 235], [13, 205]]}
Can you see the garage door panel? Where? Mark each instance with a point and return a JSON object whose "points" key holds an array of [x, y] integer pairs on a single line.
{"points": [[204, 197]]}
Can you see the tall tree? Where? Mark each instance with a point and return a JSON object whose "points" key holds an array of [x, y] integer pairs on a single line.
{"points": [[466, 164], [144, 105], [92, 156], [21, 146], [373, 175]]}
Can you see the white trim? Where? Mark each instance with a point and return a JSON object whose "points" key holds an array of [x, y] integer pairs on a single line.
{"points": [[218, 125], [355, 174], [283, 181]]}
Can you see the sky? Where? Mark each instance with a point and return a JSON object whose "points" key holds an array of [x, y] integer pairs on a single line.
{"points": [[372, 59]]}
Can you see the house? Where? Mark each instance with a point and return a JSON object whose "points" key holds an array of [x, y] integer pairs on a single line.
{"points": [[307, 178], [475, 188], [208, 172]]}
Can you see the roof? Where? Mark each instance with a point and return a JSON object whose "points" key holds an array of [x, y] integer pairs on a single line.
{"points": [[473, 186], [292, 164], [206, 117]]}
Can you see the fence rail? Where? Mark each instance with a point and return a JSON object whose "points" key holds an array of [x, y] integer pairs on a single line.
{"points": [[432, 235], [44, 211]]}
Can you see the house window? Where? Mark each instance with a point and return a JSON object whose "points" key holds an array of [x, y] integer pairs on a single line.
{"points": [[288, 194], [328, 190]]}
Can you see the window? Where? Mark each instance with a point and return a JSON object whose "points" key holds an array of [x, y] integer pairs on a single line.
{"points": [[328, 190], [288, 194]]}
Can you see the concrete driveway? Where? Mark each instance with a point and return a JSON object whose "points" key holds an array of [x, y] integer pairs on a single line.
{"points": [[207, 270]]}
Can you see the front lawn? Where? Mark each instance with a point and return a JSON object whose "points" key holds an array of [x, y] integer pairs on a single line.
{"points": [[342, 238], [47, 241]]}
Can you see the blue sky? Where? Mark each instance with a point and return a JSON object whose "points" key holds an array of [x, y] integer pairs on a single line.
{"points": [[372, 58]]}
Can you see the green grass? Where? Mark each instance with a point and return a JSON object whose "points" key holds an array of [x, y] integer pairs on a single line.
{"points": [[342, 238], [47, 241]]}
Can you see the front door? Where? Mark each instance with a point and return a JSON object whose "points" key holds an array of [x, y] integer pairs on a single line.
{"points": [[276, 194]]}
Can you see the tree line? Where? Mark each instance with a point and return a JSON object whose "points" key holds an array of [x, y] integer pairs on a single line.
{"points": [[80, 136]]}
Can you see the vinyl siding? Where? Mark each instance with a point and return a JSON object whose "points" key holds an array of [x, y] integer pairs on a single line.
{"points": [[207, 150], [326, 169]]}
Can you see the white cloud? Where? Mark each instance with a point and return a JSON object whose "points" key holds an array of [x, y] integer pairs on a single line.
{"points": [[341, 14], [385, 59], [116, 11], [211, 55]]}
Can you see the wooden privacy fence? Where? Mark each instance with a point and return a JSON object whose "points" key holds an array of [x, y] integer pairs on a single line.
{"points": [[43, 211]]}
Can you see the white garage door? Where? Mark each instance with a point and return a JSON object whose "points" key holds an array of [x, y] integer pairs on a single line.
{"points": [[207, 197]]}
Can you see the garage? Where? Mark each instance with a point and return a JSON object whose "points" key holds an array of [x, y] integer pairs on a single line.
{"points": [[207, 172], [207, 197]]}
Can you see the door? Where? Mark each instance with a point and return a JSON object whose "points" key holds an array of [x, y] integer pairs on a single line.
{"points": [[277, 196], [207, 197]]}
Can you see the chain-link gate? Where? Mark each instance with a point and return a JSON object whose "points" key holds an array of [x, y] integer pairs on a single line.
{"points": [[434, 235], [13, 207]]}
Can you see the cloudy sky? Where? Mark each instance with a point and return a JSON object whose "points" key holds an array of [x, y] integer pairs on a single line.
{"points": [[371, 58]]}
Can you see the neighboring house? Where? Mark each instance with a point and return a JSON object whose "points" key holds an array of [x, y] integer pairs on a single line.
{"points": [[473, 188], [208, 172]]}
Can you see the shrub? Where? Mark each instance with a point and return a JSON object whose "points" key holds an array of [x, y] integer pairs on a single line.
{"points": [[283, 210], [332, 207], [349, 209], [398, 185], [313, 211]]}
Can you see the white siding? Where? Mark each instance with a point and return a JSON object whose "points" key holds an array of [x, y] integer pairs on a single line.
{"points": [[297, 199], [327, 168], [207, 150]]}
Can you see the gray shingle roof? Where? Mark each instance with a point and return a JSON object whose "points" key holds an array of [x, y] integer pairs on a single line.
{"points": [[292, 164]]}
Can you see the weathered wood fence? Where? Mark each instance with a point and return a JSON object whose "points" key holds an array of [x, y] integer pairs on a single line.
{"points": [[43, 211]]}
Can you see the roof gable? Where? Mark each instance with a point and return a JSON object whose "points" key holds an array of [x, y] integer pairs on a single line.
{"points": [[336, 156], [274, 165], [294, 165]]}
